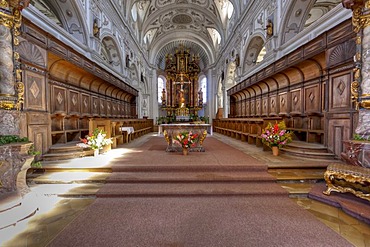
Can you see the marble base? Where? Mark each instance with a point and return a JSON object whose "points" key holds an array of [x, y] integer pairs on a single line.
{"points": [[357, 153], [9, 122], [15, 161]]}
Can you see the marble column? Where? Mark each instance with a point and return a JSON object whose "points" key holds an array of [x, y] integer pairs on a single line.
{"points": [[361, 23], [11, 86], [6, 62], [357, 152]]}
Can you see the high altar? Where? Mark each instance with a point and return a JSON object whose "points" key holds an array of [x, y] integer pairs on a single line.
{"points": [[182, 96], [171, 130]]}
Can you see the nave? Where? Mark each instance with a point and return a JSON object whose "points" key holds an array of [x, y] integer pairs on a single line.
{"points": [[222, 197]]}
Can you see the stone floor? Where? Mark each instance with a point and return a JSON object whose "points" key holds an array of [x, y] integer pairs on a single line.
{"points": [[55, 212]]}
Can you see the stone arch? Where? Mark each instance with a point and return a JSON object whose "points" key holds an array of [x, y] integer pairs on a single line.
{"points": [[253, 49], [111, 53], [295, 18], [70, 17]]}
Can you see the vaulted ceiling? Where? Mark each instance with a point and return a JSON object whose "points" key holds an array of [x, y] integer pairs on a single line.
{"points": [[197, 24], [160, 26]]}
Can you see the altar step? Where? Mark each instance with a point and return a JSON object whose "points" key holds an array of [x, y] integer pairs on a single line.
{"points": [[313, 151], [189, 177], [189, 168], [66, 151], [190, 189]]}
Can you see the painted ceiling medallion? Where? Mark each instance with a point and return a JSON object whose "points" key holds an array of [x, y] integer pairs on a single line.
{"points": [[182, 19]]}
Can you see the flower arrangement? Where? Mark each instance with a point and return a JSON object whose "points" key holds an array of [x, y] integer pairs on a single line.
{"points": [[95, 140], [186, 139], [276, 135]]}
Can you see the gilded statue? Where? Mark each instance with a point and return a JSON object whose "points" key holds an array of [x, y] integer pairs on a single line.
{"points": [[96, 28], [269, 28]]}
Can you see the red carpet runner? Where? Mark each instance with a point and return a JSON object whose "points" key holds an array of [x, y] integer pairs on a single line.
{"points": [[220, 197]]}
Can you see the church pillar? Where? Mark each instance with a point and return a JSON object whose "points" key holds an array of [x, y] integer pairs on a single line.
{"points": [[225, 101], [153, 107], [11, 86], [360, 87]]}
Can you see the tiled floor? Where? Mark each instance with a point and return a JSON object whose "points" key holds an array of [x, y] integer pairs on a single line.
{"points": [[56, 212]]}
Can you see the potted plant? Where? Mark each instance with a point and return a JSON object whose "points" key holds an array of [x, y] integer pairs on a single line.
{"points": [[96, 141], [276, 136]]}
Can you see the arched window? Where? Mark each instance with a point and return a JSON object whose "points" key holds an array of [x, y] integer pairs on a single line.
{"points": [[203, 86], [161, 86]]}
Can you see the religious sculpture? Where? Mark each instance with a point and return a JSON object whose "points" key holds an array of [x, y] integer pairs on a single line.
{"points": [[269, 28], [96, 29], [163, 97]]}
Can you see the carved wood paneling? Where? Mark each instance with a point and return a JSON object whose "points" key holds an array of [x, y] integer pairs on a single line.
{"points": [[340, 33], [341, 53], [340, 95], [109, 108], [32, 54], [253, 107], [39, 135], [85, 104], [35, 91], [114, 108], [258, 106], [242, 108], [95, 105], [74, 102], [296, 101], [57, 48], [280, 64], [273, 106], [247, 111], [265, 103], [284, 103], [103, 107], [337, 130], [312, 99], [295, 56], [34, 118], [315, 47], [58, 99]]}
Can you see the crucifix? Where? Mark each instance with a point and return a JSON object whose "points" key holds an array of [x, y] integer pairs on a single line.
{"points": [[181, 93]]}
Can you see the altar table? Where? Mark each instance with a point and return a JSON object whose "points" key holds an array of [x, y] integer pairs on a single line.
{"points": [[171, 130]]}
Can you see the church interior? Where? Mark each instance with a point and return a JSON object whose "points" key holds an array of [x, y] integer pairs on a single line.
{"points": [[184, 123]]}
